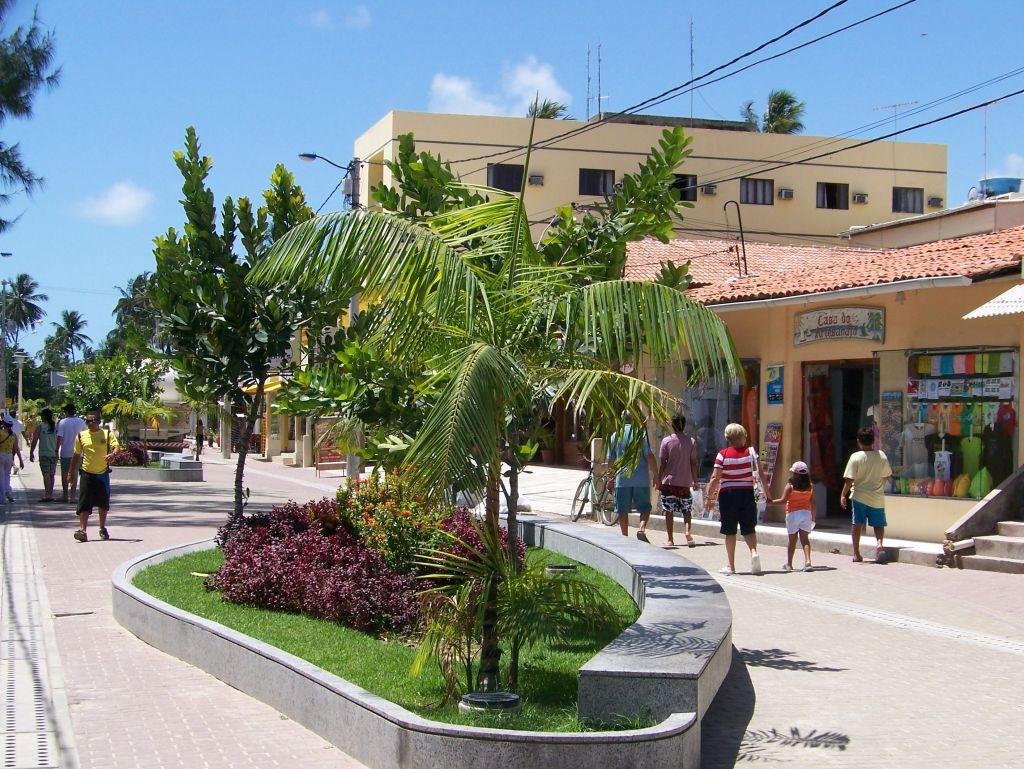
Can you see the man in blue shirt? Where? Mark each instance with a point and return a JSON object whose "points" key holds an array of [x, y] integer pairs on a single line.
{"points": [[632, 488]]}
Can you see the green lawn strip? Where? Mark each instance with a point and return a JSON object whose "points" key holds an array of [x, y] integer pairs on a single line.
{"points": [[548, 674]]}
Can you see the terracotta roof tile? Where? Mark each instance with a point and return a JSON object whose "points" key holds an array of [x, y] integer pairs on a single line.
{"points": [[777, 270]]}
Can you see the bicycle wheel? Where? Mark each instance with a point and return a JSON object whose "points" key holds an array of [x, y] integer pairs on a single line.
{"points": [[606, 504], [580, 499]]}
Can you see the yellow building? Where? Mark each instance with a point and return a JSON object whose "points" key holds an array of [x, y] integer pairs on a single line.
{"points": [[827, 189], [834, 340]]}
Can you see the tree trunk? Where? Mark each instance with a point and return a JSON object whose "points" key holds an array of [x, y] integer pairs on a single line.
{"points": [[513, 508], [513, 664], [243, 450], [490, 651]]}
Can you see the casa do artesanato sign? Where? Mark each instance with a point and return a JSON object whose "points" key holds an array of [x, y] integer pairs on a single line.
{"points": [[839, 323]]}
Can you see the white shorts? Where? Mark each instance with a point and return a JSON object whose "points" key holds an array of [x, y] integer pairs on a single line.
{"points": [[799, 520]]}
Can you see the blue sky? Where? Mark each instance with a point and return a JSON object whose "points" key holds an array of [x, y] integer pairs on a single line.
{"points": [[263, 81]]}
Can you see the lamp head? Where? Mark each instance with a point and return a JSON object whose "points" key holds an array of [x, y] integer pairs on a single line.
{"points": [[309, 157]]}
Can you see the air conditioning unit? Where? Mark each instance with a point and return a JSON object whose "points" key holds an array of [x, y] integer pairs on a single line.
{"points": [[536, 180], [785, 193], [860, 197], [709, 189], [935, 202]]}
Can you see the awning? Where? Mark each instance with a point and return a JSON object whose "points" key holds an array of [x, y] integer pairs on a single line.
{"points": [[1007, 303], [274, 383]]}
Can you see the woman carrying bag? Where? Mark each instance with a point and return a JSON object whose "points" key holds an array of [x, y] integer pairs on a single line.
{"points": [[737, 472], [9, 449]]}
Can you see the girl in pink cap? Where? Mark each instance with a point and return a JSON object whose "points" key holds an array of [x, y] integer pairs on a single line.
{"points": [[799, 499]]}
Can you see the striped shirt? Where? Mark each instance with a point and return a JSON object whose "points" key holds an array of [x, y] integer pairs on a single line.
{"points": [[737, 466]]}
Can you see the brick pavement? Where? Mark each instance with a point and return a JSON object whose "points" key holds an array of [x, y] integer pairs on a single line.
{"points": [[840, 669]]}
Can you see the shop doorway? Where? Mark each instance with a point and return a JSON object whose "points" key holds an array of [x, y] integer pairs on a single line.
{"points": [[839, 400]]}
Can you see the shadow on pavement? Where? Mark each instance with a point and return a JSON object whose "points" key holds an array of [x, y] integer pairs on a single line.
{"points": [[725, 723], [780, 659]]}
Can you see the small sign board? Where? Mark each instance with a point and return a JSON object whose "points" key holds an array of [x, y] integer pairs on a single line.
{"points": [[773, 391], [839, 323]]}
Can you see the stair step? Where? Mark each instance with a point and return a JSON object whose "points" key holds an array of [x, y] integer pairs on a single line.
{"points": [[1000, 546], [987, 563], [1010, 528]]}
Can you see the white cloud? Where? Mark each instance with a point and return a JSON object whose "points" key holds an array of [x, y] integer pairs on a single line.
{"points": [[320, 18], [457, 95], [520, 84], [359, 17], [120, 205], [1013, 165]]}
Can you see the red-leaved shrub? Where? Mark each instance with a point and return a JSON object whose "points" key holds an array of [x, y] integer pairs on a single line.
{"points": [[132, 456], [461, 524]]}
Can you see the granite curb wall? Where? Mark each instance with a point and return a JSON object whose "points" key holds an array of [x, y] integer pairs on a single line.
{"points": [[383, 735], [163, 474]]}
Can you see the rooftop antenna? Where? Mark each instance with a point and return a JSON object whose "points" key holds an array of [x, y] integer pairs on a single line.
{"points": [[895, 109], [588, 82], [599, 110], [691, 71]]}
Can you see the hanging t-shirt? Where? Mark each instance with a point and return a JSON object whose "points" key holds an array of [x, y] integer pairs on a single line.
{"points": [[971, 450], [924, 365], [969, 363], [934, 414], [1006, 363], [1006, 418], [936, 369], [954, 415], [922, 412], [994, 367], [945, 364], [991, 412], [915, 452], [959, 364], [966, 419], [979, 418], [998, 454]]}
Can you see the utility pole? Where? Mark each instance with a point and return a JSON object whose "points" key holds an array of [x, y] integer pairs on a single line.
{"points": [[3, 344]]}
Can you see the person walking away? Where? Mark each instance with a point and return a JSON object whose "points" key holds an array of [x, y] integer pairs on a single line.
{"points": [[9, 449], [863, 483], [68, 429], [90, 456], [632, 488], [798, 496], [45, 438], [17, 427], [677, 475], [200, 437], [732, 484]]}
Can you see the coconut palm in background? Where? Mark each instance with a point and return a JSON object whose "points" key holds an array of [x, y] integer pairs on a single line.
{"points": [[549, 109], [68, 334], [783, 114], [468, 296], [23, 306], [149, 411]]}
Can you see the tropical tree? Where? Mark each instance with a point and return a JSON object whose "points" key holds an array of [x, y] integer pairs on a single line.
{"points": [[68, 333], [548, 109], [466, 295], [119, 377], [26, 59], [783, 114], [149, 411], [22, 305]]}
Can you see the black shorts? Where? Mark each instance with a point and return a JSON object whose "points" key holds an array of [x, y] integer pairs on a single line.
{"points": [[737, 508], [92, 492]]}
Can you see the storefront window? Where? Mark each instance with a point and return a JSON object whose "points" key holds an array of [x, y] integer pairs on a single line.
{"points": [[953, 428], [710, 407]]}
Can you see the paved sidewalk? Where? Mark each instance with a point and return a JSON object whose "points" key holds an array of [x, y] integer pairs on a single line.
{"points": [[852, 665]]}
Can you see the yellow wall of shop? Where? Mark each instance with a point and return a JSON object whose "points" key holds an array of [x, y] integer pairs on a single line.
{"points": [[717, 154], [924, 318]]}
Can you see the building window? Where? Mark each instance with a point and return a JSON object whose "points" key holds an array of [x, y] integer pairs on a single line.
{"points": [[833, 195], [595, 181], [505, 176], [907, 200], [758, 192], [687, 186]]}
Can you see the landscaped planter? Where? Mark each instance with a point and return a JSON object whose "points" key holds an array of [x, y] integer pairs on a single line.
{"points": [[678, 682], [164, 474]]}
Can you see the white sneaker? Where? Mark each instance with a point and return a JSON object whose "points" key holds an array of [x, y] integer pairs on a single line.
{"points": [[755, 564], [726, 570], [787, 567]]}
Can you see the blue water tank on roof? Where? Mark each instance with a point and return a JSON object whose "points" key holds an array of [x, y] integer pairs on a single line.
{"points": [[999, 185]]}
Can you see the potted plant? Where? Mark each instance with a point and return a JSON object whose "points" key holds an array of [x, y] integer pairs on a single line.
{"points": [[544, 436]]}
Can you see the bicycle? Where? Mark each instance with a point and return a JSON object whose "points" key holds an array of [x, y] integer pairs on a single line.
{"points": [[599, 493]]}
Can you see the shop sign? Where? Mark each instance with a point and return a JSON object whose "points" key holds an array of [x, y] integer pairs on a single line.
{"points": [[773, 392], [857, 323]]}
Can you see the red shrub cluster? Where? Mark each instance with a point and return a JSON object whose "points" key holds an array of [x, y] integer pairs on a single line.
{"points": [[133, 456], [284, 560], [461, 525]]}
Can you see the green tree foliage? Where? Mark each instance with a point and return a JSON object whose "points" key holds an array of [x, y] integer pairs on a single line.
{"points": [[222, 331], [140, 409], [26, 68], [68, 333], [136, 320], [783, 114], [22, 306], [549, 109], [674, 276], [493, 322], [94, 385]]}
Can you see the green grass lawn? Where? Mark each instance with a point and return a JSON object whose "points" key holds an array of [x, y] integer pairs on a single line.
{"points": [[547, 675]]}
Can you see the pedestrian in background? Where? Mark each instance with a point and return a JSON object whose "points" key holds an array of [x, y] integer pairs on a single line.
{"points": [[200, 437], [677, 475], [68, 429], [90, 456], [864, 490], [732, 483], [632, 489], [798, 496], [9, 449], [45, 438]]}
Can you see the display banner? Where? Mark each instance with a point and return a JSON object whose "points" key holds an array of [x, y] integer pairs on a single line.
{"points": [[773, 392], [770, 449], [889, 418], [857, 323]]}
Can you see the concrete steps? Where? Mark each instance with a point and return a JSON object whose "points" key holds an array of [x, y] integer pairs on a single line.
{"points": [[1002, 551], [1010, 528], [1000, 546], [992, 563]]}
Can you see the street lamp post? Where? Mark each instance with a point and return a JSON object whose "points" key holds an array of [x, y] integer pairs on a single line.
{"points": [[19, 359]]}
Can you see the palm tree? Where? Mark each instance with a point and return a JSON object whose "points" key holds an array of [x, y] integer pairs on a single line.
{"points": [[69, 334], [548, 109], [26, 55], [782, 114], [467, 295], [23, 309], [149, 411]]}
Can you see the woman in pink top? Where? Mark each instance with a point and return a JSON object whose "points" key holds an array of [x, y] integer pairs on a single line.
{"points": [[677, 474]]}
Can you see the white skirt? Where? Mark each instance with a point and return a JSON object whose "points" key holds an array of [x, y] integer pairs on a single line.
{"points": [[799, 520]]}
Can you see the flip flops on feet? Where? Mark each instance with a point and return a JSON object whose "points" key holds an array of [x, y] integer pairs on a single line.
{"points": [[858, 559], [642, 536], [81, 536]]}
